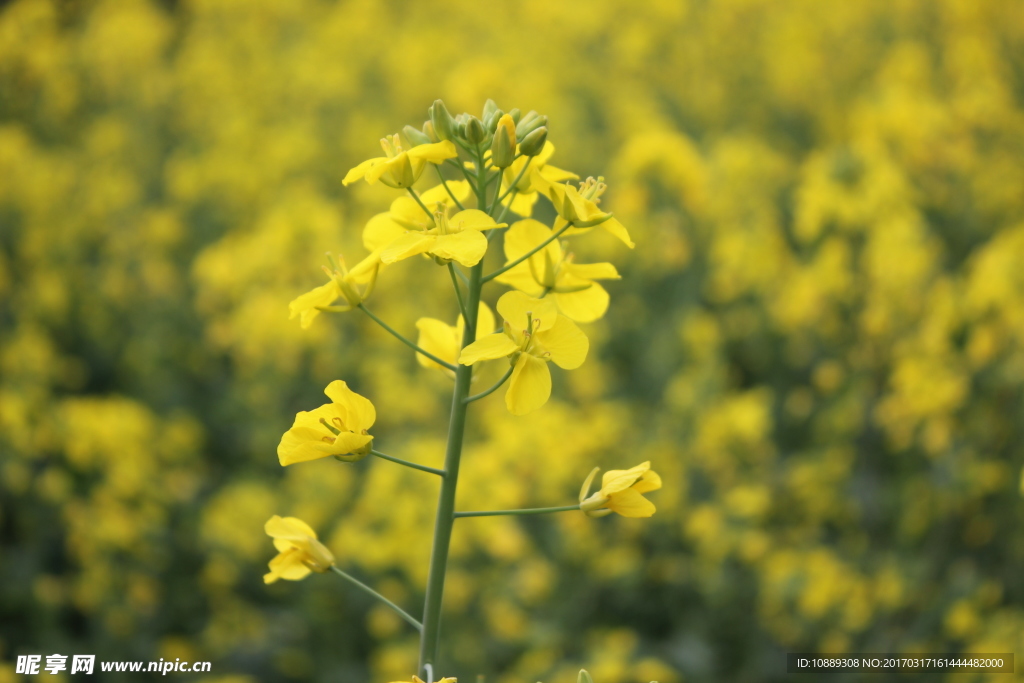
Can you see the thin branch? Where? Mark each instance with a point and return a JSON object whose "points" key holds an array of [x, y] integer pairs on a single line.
{"points": [[458, 292], [448, 189], [484, 394], [527, 511], [401, 612], [419, 201], [405, 341], [413, 465]]}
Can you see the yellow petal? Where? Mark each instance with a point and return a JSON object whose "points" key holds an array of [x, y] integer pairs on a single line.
{"points": [[288, 528], [435, 153], [630, 503], [287, 565], [592, 271], [491, 347], [529, 387], [522, 203], [407, 212], [409, 244], [381, 231], [473, 219], [566, 343], [585, 305], [616, 228], [305, 304], [650, 481], [520, 277], [358, 172], [484, 321], [440, 339], [465, 247], [459, 188], [614, 481], [303, 443], [524, 236], [361, 413], [557, 175], [515, 307]]}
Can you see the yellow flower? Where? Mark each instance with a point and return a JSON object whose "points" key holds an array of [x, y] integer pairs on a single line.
{"points": [[444, 340], [538, 176], [400, 168], [551, 271], [621, 492], [406, 214], [299, 551], [534, 333], [339, 428], [353, 285], [579, 207], [459, 238]]}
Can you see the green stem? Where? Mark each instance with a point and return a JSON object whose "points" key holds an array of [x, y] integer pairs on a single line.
{"points": [[513, 264], [527, 511], [413, 465], [448, 189], [399, 337], [401, 612], [419, 201], [458, 291], [484, 394], [445, 518], [508, 206]]}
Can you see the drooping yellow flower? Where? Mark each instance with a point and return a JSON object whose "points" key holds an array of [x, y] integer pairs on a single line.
{"points": [[621, 492], [444, 340], [354, 286], [400, 168], [340, 428], [405, 214], [539, 174], [553, 272], [459, 238], [579, 207], [534, 333], [299, 551]]}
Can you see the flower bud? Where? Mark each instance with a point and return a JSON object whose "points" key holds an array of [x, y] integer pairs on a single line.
{"points": [[475, 131], [428, 130], [515, 114], [533, 143], [529, 123], [415, 136], [503, 146], [444, 125], [490, 106], [584, 677]]}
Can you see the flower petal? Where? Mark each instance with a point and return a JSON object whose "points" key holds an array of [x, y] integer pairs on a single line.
{"points": [[614, 481], [592, 271], [305, 304], [484, 321], [529, 387], [616, 228], [629, 503], [524, 236], [516, 307], [473, 219], [409, 244], [358, 172], [287, 565], [522, 203], [289, 528], [491, 347], [520, 277], [650, 481], [585, 305], [435, 152], [466, 247], [566, 343], [381, 231], [440, 339], [361, 413]]}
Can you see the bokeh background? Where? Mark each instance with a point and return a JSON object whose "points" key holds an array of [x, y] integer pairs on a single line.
{"points": [[818, 341]]}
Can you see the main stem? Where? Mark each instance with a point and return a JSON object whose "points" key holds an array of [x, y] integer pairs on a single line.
{"points": [[445, 520]]}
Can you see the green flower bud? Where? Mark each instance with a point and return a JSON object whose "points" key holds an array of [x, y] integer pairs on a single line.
{"points": [[533, 143], [475, 131], [415, 136], [428, 130], [529, 123], [491, 122], [515, 114], [503, 145], [442, 121], [490, 106], [584, 677]]}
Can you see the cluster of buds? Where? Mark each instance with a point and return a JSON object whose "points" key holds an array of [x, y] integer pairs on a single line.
{"points": [[505, 134]]}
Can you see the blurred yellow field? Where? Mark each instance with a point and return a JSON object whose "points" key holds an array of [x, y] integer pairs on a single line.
{"points": [[817, 341]]}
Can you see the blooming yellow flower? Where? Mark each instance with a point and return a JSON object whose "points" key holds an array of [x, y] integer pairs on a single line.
{"points": [[459, 238], [621, 492], [534, 333], [579, 207], [299, 551], [339, 428], [400, 168], [353, 285], [444, 340], [538, 176], [551, 271], [405, 214]]}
